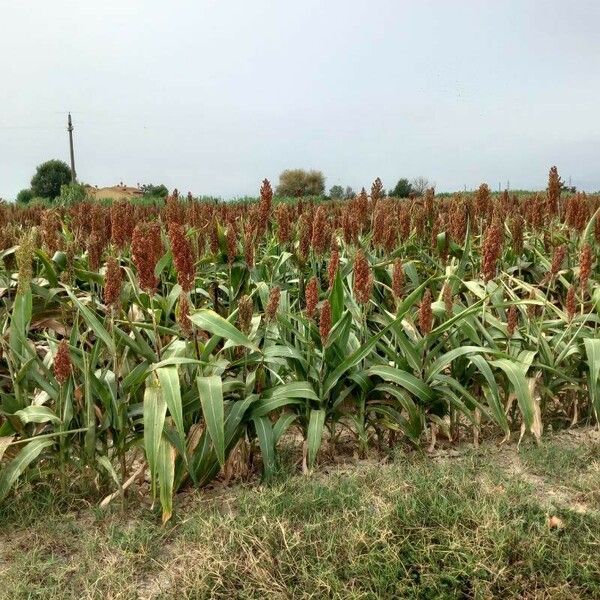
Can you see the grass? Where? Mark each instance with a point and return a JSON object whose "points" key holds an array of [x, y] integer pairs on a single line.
{"points": [[468, 526]]}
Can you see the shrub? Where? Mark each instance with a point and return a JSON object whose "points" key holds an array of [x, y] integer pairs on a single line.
{"points": [[49, 178], [336, 192], [403, 189], [298, 182], [25, 196], [159, 191]]}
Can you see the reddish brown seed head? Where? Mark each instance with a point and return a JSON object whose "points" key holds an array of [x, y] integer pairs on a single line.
{"points": [[146, 249], [264, 207], [249, 241], [245, 312], [585, 265], [325, 321], [398, 279], [553, 193], [183, 256], [448, 298], [491, 250], [363, 278], [512, 320], [425, 313], [284, 225], [273, 303], [62, 363], [112, 283], [312, 296], [319, 231], [95, 246], [560, 252], [182, 313]]}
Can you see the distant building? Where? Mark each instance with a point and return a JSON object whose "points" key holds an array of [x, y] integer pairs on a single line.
{"points": [[116, 192]]}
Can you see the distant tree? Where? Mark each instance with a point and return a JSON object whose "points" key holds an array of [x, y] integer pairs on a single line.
{"points": [[349, 193], [298, 182], [159, 191], [403, 189], [419, 185], [25, 196], [336, 192], [49, 177]]}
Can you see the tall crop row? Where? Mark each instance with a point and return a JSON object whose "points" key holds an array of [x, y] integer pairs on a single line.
{"points": [[186, 332]]}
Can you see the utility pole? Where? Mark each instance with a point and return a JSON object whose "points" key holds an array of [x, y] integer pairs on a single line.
{"points": [[70, 130]]}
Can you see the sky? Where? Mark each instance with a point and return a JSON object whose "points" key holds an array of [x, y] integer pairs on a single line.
{"points": [[213, 96]]}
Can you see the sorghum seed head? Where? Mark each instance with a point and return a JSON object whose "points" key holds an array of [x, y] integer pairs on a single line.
{"points": [[245, 312], [62, 362], [448, 298], [273, 303], [557, 260], [512, 320], [319, 227], [312, 296], [398, 279], [112, 282], [492, 248], [146, 249], [425, 313], [183, 256], [363, 278], [182, 314], [325, 321], [585, 266]]}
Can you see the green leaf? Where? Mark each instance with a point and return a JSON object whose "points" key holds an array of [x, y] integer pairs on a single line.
{"points": [[497, 410], [211, 399], [168, 378], [283, 424], [314, 435], [212, 322], [336, 298], [12, 471], [37, 414], [408, 381], [155, 410], [443, 361], [592, 350], [93, 322], [517, 378], [166, 477], [105, 463], [293, 392], [266, 439]]}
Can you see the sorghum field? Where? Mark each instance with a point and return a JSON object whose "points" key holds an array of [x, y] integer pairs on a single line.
{"points": [[191, 339]]}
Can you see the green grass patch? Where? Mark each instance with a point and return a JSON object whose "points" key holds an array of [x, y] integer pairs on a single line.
{"points": [[459, 528]]}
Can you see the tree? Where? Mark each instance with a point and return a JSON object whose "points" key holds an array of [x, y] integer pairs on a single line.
{"points": [[25, 196], [349, 193], [48, 178], [160, 190], [298, 182], [336, 192], [419, 185], [403, 189]]}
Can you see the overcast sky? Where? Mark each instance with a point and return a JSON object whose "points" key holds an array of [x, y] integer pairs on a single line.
{"points": [[213, 96]]}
